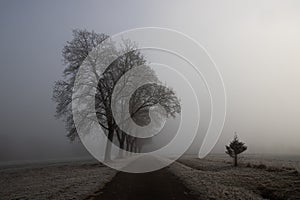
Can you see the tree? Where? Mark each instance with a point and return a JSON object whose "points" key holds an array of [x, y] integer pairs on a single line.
{"points": [[235, 147], [74, 53], [128, 58]]}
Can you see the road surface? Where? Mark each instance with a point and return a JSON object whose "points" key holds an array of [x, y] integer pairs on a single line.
{"points": [[158, 185]]}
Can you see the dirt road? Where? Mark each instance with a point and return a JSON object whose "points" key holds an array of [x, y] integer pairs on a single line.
{"points": [[147, 186]]}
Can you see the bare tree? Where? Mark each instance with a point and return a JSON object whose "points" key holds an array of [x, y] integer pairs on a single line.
{"points": [[235, 147], [75, 53]]}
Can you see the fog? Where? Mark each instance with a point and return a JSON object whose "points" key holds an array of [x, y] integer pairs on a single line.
{"points": [[254, 44]]}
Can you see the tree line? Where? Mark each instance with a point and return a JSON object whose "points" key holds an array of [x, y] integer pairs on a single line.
{"points": [[129, 58]]}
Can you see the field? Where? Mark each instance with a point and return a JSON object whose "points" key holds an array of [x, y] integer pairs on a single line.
{"points": [[211, 178], [255, 178], [66, 180]]}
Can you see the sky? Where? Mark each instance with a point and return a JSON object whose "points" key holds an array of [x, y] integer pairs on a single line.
{"points": [[255, 45]]}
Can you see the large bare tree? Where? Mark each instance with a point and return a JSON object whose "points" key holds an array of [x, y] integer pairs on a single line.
{"points": [[76, 52]]}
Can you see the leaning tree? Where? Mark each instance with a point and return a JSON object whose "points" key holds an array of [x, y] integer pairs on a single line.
{"points": [[235, 148], [77, 51]]}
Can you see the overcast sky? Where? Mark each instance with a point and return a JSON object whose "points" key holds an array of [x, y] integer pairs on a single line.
{"points": [[255, 45]]}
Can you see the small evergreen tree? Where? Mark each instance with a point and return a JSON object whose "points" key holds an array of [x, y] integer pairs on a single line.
{"points": [[235, 147]]}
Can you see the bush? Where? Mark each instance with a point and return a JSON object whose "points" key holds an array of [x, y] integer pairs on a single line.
{"points": [[248, 165], [261, 166], [269, 193]]}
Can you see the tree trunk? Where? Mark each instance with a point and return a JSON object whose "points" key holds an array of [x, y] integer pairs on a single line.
{"points": [[235, 160], [110, 136], [131, 147], [121, 147]]}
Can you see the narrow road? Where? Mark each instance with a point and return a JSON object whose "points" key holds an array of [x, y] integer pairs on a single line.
{"points": [[158, 185]]}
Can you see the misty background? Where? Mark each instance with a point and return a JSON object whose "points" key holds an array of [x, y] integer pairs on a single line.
{"points": [[254, 44]]}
